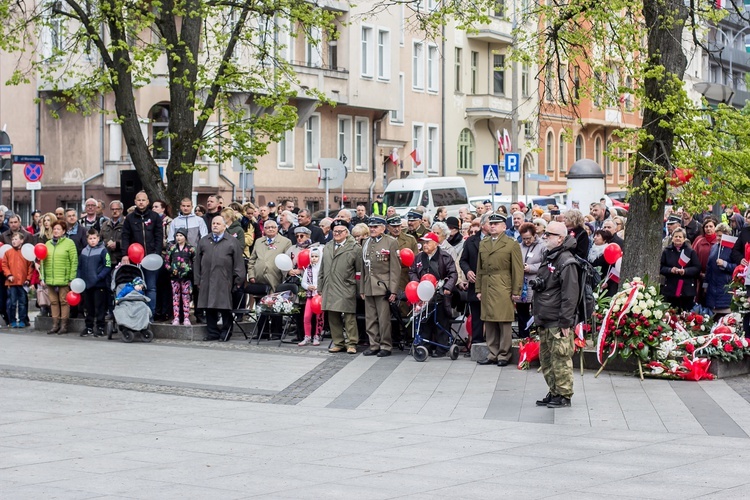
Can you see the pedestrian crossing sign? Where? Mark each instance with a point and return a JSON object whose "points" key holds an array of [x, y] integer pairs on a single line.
{"points": [[490, 174]]}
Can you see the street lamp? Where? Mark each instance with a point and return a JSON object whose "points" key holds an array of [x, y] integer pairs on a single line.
{"points": [[730, 45]]}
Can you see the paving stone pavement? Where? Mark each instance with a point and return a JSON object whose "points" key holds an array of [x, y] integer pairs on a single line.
{"points": [[87, 418]]}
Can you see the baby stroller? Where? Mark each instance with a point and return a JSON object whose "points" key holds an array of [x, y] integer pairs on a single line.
{"points": [[132, 313]]}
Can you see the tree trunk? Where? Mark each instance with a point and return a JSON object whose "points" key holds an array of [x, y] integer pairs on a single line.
{"points": [[642, 253]]}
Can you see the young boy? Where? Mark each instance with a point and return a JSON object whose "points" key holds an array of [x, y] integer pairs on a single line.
{"points": [[18, 272], [94, 265]]}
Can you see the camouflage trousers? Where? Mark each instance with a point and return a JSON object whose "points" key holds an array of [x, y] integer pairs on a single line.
{"points": [[556, 358]]}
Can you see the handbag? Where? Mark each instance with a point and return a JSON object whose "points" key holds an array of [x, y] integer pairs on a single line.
{"points": [[42, 296]]}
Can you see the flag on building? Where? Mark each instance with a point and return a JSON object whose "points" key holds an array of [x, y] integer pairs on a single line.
{"points": [[500, 142], [720, 4], [728, 241], [394, 156], [507, 141], [684, 259], [415, 156]]}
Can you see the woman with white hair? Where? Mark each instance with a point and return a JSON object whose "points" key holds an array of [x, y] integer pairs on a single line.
{"points": [[287, 222]]}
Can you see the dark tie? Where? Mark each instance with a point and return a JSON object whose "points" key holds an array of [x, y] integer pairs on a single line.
{"points": [[216, 239]]}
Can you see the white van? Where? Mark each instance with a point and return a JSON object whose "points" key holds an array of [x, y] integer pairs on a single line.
{"points": [[429, 192]]}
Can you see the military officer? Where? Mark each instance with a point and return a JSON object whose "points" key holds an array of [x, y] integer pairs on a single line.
{"points": [[416, 228], [378, 286], [498, 283], [337, 280], [404, 241]]}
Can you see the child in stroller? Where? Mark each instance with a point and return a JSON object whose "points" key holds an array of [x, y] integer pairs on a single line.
{"points": [[132, 313]]}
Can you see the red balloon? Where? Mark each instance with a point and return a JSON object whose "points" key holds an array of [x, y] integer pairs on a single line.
{"points": [[303, 259], [40, 250], [136, 253], [612, 253], [429, 277], [407, 257], [73, 298], [411, 292], [316, 303]]}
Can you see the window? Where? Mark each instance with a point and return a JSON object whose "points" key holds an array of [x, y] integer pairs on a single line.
{"points": [[576, 82], [620, 163], [562, 84], [286, 150], [499, 8], [458, 54], [598, 150], [397, 115], [579, 147], [466, 150], [161, 143], [366, 63], [528, 164], [361, 142], [313, 56], [312, 141], [285, 42], [528, 130], [549, 157], [384, 55], [549, 79], [432, 150], [525, 80], [344, 141], [608, 160], [562, 154], [627, 98], [416, 142], [499, 74], [333, 51], [417, 66], [474, 71], [432, 68]]}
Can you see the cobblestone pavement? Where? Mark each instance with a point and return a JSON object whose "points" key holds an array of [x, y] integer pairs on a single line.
{"points": [[87, 418]]}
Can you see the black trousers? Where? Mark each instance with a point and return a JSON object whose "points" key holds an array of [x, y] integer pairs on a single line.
{"points": [[95, 306], [212, 323], [477, 325], [523, 309]]}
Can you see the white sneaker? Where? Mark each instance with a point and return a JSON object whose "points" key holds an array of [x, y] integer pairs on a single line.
{"points": [[305, 341], [175, 321], [316, 340]]}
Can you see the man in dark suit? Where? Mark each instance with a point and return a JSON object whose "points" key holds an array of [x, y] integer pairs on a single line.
{"points": [[468, 264]]}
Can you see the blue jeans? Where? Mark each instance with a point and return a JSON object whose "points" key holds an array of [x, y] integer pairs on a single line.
{"points": [[17, 298], [151, 277]]}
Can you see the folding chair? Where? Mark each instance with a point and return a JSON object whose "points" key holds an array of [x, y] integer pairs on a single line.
{"points": [[251, 290], [265, 317]]}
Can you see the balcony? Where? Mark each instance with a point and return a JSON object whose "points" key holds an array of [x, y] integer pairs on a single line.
{"points": [[487, 107], [496, 31], [333, 81], [740, 59]]}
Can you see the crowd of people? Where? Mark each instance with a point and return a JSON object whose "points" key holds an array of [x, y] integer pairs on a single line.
{"points": [[503, 266]]}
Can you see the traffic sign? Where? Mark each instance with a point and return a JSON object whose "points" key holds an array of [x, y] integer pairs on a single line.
{"points": [[537, 177], [6, 150], [28, 159], [490, 174], [512, 161], [33, 172], [33, 186]]}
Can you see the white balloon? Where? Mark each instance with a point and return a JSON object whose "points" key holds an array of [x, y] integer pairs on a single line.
{"points": [[78, 285], [283, 262], [4, 249], [27, 251], [152, 262], [425, 290]]}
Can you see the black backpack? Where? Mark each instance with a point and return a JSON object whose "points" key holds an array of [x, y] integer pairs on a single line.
{"points": [[588, 280]]}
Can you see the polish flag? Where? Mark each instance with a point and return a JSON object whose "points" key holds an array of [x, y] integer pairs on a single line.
{"points": [[614, 274], [500, 142], [683, 260], [507, 141], [394, 156], [415, 156], [728, 241], [720, 4]]}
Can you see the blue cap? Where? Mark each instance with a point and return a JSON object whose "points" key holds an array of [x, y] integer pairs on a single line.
{"points": [[413, 215], [376, 221]]}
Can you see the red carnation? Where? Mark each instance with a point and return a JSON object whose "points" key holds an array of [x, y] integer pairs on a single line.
{"points": [[618, 333], [738, 344], [715, 342], [646, 323], [699, 319], [690, 348], [650, 338], [620, 345], [640, 345], [728, 347]]}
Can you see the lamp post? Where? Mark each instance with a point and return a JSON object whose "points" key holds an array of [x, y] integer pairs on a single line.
{"points": [[730, 45]]}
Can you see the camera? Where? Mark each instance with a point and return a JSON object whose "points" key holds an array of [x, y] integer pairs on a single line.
{"points": [[538, 284]]}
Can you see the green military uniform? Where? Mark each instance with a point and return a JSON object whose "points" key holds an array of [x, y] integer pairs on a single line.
{"points": [[380, 276], [499, 275], [406, 241], [418, 233]]}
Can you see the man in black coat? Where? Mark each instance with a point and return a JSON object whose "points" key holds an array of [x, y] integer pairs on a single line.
{"points": [[304, 219], [145, 227], [468, 263], [433, 260]]}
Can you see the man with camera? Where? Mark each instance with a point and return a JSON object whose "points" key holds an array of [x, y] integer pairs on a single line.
{"points": [[499, 279], [555, 301]]}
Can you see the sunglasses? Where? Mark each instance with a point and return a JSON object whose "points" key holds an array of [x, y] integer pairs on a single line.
{"points": [[301, 236]]}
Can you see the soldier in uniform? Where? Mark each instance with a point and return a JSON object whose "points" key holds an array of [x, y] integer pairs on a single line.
{"points": [[378, 286], [499, 280], [416, 228], [338, 279], [404, 241]]}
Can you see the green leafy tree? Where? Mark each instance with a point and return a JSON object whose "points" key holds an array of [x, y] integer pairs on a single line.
{"points": [[643, 42]]}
